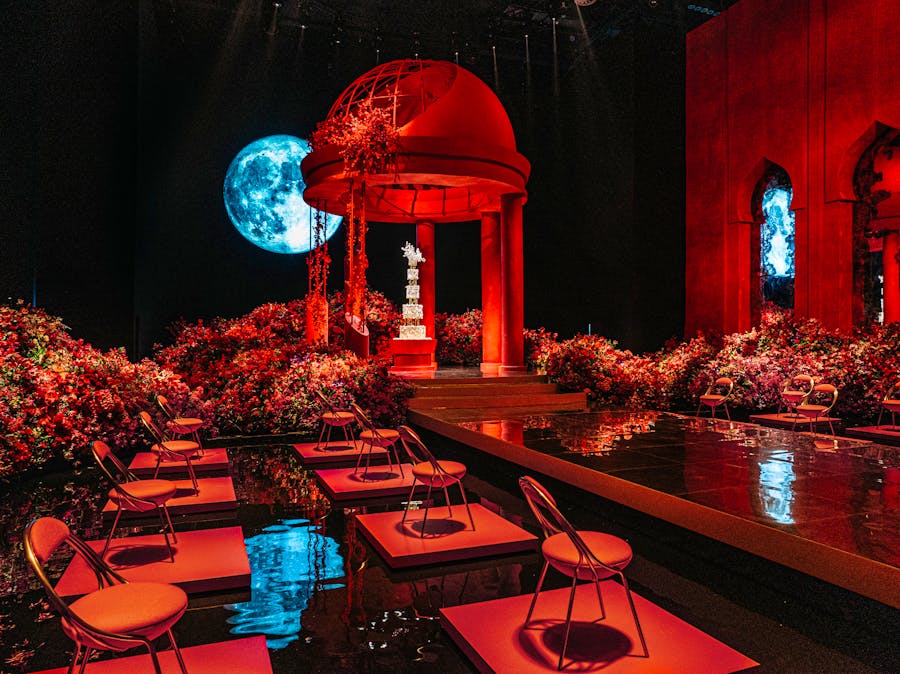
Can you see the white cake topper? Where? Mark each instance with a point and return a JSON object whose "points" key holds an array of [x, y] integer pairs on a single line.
{"points": [[412, 254]]}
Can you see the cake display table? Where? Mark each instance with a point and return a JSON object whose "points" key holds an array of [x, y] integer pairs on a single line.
{"points": [[414, 357]]}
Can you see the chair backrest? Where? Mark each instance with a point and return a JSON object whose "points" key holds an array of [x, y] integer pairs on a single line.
{"points": [[361, 417], [416, 449], [163, 403], [150, 425], [822, 394], [721, 386], [324, 401], [799, 382], [103, 455], [893, 392]]}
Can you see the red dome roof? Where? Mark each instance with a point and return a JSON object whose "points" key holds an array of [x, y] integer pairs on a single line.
{"points": [[434, 99], [457, 153]]}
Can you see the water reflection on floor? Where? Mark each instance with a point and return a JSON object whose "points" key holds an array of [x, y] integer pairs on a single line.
{"points": [[838, 491]]}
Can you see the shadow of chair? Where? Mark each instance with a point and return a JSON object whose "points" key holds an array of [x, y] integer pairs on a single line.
{"points": [[891, 402], [817, 404], [793, 392], [180, 426], [170, 449], [371, 437], [133, 495], [116, 617], [331, 418], [717, 393], [432, 473], [581, 555]]}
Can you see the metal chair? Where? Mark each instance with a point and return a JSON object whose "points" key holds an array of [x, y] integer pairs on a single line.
{"points": [[817, 403], [717, 394], [169, 449], [181, 425], [372, 437], [429, 471], [332, 418], [793, 392], [118, 616], [891, 402], [134, 495], [583, 555]]}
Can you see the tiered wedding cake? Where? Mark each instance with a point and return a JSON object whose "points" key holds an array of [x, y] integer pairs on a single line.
{"points": [[412, 310]]}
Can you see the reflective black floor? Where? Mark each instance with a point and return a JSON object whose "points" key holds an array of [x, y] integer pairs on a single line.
{"points": [[327, 603]]}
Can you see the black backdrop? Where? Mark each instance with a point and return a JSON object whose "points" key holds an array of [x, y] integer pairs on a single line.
{"points": [[121, 121]]}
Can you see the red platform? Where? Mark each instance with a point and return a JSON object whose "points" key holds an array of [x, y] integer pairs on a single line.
{"points": [[144, 463], [238, 656], [446, 540], [209, 560], [490, 633], [343, 484], [885, 434], [336, 451], [414, 357], [215, 494], [786, 420]]}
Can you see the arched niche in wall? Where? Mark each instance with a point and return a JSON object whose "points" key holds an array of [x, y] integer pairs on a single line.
{"points": [[772, 251], [876, 223]]}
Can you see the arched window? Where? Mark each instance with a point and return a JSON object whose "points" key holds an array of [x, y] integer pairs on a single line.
{"points": [[772, 205]]}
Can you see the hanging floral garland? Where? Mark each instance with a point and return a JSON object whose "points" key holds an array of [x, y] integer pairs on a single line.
{"points": [[368, 143], [318, 261]]}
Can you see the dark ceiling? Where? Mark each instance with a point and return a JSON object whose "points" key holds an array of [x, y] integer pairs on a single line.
{"points": [[470, 32]]}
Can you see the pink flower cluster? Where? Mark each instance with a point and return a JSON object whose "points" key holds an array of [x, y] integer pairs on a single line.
{"points": [[458, 338]]}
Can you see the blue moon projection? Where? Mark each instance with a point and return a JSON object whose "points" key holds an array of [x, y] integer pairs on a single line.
{"points": [[264, 196]]}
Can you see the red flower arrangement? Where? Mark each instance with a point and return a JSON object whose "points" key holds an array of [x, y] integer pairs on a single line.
{"points": [[458, 338]]}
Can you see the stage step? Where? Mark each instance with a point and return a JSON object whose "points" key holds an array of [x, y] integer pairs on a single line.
{"points": [[493, 392]]}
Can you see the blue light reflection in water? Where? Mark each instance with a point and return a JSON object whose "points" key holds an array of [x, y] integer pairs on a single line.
{"points": [[288, 563], [775, 479]]}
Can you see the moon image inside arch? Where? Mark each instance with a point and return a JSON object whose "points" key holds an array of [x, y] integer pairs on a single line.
{"points": [[263, 194]]}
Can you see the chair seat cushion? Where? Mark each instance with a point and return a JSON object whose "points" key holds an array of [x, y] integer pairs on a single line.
{"points": [[425, 472], [892, 405], [712, 399], [183, 447], [337, 418], [793, 396], [155, 491], [812, 411], [185, 424], [563, 556], [142, 609], [384, 437]]}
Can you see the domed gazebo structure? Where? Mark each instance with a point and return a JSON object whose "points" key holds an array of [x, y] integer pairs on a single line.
{"points": [[457, 162]]}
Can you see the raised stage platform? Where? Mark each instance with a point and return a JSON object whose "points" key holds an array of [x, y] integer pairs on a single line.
{"points": [[828, 507]]}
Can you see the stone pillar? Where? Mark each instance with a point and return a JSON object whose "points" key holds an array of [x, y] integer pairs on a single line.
{"points": [[891, 288], [491, 293], [512, 276], [425, 243]]}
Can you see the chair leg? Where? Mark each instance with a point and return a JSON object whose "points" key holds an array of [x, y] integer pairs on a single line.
{"points": [[637, 622], [154, 657], [880, 414], [190, 468], [165, 534], [831, 426], [321, 433], [158, 461], [537, 591], [562, 655], [397, 457], [177, 651], [600, 599], [466, 503], [85, 658], [697, 413], [408, 501], [727, 414], [74, 660], [169, 520], [427, 502], [447, 498], [111, 532]]}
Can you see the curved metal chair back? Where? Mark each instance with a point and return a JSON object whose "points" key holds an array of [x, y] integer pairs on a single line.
{"points": [[362, 418], [822, 394], [154, 430], [416, 449], [891, 401], [799, 382], [323, 401], [103, 455], [163, 403]]}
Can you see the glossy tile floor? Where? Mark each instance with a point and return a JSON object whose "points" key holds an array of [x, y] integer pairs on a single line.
{"points": [[327, 603], [840, 492]]}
